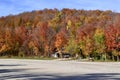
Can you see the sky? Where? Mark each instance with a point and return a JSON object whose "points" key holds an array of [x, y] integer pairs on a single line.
{"points": [[8, 7]]}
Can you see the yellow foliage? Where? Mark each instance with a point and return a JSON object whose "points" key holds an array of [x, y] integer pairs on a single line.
{"points": [[99, 31], [4, 48], [69, 23], [36, 51]]}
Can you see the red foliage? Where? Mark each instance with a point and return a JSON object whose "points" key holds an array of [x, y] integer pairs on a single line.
{"points": [[112, 38], [21, 34], [61, 38]]}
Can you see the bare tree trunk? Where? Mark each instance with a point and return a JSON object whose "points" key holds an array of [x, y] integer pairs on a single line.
{"points": [[118, 58], [101, 57], [105, 56], [113, 58]]}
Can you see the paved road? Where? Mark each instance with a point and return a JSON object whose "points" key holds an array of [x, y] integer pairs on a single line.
{"points": [[17, 69]]}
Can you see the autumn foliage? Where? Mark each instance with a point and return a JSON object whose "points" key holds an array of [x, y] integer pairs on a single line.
{"points": [[91, 33]]}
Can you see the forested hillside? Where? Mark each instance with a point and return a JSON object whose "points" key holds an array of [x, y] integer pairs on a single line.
{"points": [[88, 33]]}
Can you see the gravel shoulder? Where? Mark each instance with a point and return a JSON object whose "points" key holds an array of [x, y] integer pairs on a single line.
{"points": [[22, 69]]}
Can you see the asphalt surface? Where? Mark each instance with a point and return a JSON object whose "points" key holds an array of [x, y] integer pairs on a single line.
{"points": [[22, 69]]}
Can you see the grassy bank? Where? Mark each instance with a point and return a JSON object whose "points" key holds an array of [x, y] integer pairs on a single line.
{"points": [[47, 58], [16, 57]]}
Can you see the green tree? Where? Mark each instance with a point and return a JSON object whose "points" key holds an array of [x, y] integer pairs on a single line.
{"points": [[100, 43], [72, 47]]}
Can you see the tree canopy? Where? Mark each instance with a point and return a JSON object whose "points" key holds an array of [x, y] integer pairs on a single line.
{"points": [[90, 33]]}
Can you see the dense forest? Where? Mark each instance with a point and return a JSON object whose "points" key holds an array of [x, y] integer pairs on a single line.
{"points": [[87, 33]]}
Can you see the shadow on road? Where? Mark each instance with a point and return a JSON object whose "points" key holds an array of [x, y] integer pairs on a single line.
{"points": [[8, 65], [10, 74], [95, 76], [10, 70]]}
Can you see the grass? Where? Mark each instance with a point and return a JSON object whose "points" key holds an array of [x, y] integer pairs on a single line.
{"points": [[16, 57], [47, 58]]}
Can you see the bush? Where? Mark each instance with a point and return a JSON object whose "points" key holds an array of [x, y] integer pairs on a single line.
{"points": [[21, 54]]}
